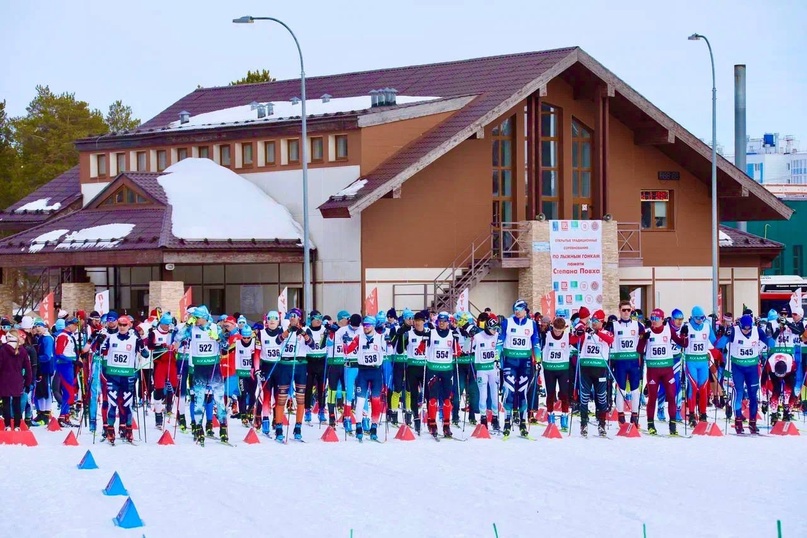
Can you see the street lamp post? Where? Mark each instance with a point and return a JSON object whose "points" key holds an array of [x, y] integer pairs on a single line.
{"points": [[715, 277], [307, 289]]}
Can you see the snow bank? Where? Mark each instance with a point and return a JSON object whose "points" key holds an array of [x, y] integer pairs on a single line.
{"points": [[724, 239], [211, 202], [352, 189], [103, 236], [38, 242], [285, 110], [36, 205]]}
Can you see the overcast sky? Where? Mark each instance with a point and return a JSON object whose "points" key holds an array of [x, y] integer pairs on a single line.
{"points": [[149, 53]]}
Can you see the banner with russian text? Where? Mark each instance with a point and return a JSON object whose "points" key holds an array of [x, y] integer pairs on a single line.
{"points": [[283, 302], [46, 310], [185, 302], [576, 250], [463, 301], [102, 302], [371, 303]]}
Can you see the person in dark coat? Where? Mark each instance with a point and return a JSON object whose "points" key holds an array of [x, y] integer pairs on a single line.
{"points": [[15, 375]]}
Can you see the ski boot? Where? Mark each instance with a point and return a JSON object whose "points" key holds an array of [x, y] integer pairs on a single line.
{"points": [[389, 415], [564, 422], [394, 420], [245, 420], [703, 417], [533, 419], [455, 421], [447, 433], [523, 431], [601, 429], [321, 416], [484, 421], [307, 416], [348, 425], [738, 426], [109, 435], [408, 418], [417, 426], [297, 433], [472, 419], [692, 420], [661, 415], [634, 419], [158, 420], [507, 427], [763, 406], [279, 437], [774, 418], [495, 424], [360, 432], [183, 427], [583, 429], [332, 420], [673, 428], [433, 430], [786, 416], [266, 427], [550, 418], [209, 429], [121, 431], [127, 434], [64, 422], [374, 432], [621, 417], [223, 434], [365, 423], [752, 427], [729, 411], [651, 428]]}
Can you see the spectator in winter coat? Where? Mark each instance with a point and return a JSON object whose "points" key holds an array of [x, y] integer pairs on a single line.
{"points": [[15, 377]]}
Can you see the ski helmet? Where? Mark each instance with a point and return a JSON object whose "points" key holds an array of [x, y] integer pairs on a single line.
{"points": [[519, 305]]}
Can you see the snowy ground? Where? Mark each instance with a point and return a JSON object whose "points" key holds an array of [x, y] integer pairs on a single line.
{"points": [[725, 487]]}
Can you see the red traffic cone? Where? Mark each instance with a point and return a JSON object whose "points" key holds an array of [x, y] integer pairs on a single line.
{"points": [[623, 428], [541, 415], [285, 420], [778, 428], [2, 424], [490, 416], [481, 432], [702, 428], [251, 437], [613, 416], [791, 429], [405, 433], [630, 431], [216, 423], [315, 409], [70, 440], [134, 423], [552, 432], [558, 406], [18, 438], [330, 435], [166, 439], [715, 431], [53, 425], [23, 426]]}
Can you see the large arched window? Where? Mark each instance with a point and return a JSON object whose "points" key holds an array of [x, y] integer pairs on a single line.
{"points": [[581, 171]]}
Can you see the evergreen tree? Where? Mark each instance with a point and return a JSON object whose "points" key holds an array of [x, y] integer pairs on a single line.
{"points": [[119, 118], [9, 161], [254, 76]]}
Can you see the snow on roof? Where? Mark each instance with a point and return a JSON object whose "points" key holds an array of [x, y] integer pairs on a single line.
{"points": [[36, 205], [285, 110], [725, 240], [38, 242], [211, 202], [103, 236], [352, 189]]}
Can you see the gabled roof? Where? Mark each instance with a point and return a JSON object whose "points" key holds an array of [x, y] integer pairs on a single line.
{"points": [[58, 195], [740, 240]]}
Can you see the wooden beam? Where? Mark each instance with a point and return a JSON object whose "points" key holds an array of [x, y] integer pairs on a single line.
{"points": [[653, 137], [479, 134], [396, 192], [542, 92]]}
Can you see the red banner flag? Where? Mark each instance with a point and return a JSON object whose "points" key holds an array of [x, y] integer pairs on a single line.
{"points": [[46, 310], [548, 304], [185, 302], [371, 303]]}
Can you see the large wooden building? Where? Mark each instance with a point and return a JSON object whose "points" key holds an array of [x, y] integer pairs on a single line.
{"points": [[424, 181]]}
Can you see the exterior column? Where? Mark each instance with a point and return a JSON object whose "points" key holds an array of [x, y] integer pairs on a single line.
{"points": [[166, 295], [78, 296], [6, 295]]}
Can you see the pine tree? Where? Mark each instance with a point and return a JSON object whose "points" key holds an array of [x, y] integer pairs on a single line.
{"points": [[9, 161], [254, 76], [119, 118]]}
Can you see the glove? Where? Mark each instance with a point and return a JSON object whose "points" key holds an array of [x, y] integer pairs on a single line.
{"points": [[589, 330], [646, 335], [580, 332], [685, 330], [346, 338], [300, 330]]}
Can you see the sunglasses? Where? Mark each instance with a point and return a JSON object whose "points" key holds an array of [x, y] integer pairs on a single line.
{"points": [[655, 318], [678, 319], [626, 309], [700, 319], [123, 325]]}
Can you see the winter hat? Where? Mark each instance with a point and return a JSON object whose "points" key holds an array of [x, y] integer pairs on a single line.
{"points": [[95, 315], [246, 332], [772, 315], [408, 314], [443, 316], [519, 305], [697, 312], [657, 313], [40, 323], [599, 315], [420, 316], [27, 323], [242, 320], [342, 314], [59, 326], [746, 321], [71, 321], [391, 313], [111, 316], [166, 319], [62, 313], [273, 314], [584, 312], [5, 322], [202, 312], [369, 321], [296, 312], [677, 314], [355, 321], [380, 319]]}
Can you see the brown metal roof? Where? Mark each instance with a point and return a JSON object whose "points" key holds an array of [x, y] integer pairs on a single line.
{"points": [[64, 189], [745, 240]]}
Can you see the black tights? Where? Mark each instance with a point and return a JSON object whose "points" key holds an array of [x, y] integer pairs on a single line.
{"points": [[12, 403]]}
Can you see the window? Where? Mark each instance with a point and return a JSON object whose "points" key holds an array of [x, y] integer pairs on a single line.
{"points": [[142, 161], [581, 171], [224, 155], [162, 160], [120, 160], [269, 148], [777, 266], [246, 154], [204, 152], [798, 260], [294, 151], [550, 161], [316, 149], [182, 153], [341, 147], [124, 196], [503, 149], [100, 161], [657, 210]]}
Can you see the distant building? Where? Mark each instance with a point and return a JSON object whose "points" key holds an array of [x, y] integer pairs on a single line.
{"points": [[775, 160]]}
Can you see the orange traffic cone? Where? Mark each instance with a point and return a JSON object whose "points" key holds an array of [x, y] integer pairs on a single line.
{"points": [[53, 425], [552, 432], [702, 428], [166, 439], [630, 431], [405, 433], [330, 435], [481, 432], [70, 440], [251, 437], [715, 431]]}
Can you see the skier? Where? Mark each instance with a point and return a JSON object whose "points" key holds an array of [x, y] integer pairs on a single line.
{"points": [[346, 335], [245, 358], [66, 355], [336, 363], [266, 372], [656, 345], [593, 343], [484, 348], [160, 342], [370, 349], [409, 342], [675, 321], [292, 369], [398, 354], [464, 379], [627, 366], [787, 337], [316, 335], [44, 378], [442, 348], [519, 348], [16, 375], [700, 339], [555, 361], [120, 352]]}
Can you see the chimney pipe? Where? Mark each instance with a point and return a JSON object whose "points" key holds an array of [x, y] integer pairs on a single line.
{"points": [[739, 126]]}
